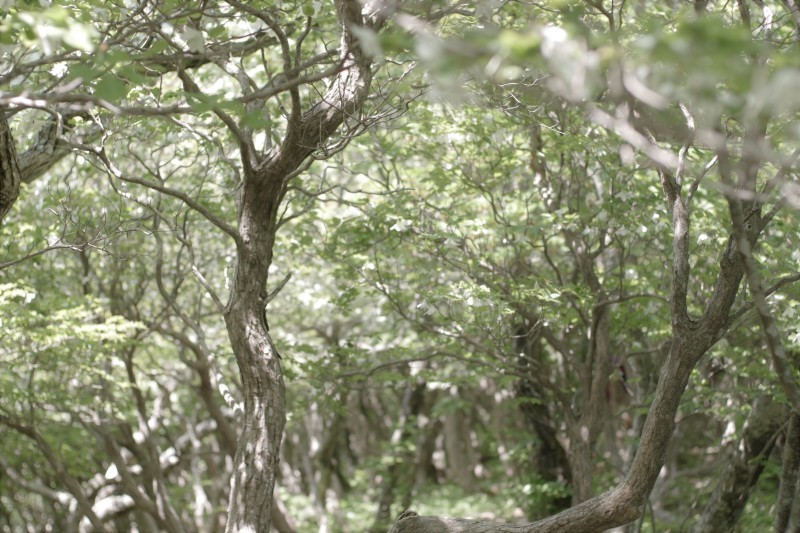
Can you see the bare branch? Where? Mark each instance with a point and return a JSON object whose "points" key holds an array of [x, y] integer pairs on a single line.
{"points": [[211, 217], [209, 289], [279, 288], [782, 282]]}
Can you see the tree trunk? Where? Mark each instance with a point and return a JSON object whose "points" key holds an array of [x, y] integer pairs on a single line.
{"points": [[266, 178], [459, 454], [549, 459], [281, 519], [257, 456], [424, 448], [9, 168], [581, 464], [787, 494], [584, 431], [256, 462], [401, 471]]}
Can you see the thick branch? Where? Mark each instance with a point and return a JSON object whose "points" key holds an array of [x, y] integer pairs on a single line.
{"points": [[345, 97], [9, 168]]}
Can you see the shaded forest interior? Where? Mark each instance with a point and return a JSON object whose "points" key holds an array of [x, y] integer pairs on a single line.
{"points": [[476, 266]]}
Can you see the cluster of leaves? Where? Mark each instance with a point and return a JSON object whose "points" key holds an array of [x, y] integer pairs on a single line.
{"points": [[445, 242]]}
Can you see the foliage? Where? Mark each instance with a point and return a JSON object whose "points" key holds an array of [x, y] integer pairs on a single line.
{"points": [[473, 270]]}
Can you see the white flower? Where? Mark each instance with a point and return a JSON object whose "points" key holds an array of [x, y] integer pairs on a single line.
{"points": [[401, 225], [58, 70]]}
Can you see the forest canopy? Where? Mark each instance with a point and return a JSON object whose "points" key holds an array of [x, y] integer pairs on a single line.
{"points": [[374, 265]]}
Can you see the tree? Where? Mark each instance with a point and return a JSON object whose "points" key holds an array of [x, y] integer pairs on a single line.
{"points": [[142, 68], [459, 280], [646, 114]]}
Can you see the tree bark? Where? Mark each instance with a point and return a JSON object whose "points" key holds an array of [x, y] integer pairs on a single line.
{"points": [[411, 522], [255, 465], [457, 444], [9, 168], [584, 431], [266, 178]]}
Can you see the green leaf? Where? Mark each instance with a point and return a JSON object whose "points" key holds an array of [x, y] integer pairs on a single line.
{"points": [[218, 32], [87, 72], [255, 119], [111, 88]]}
